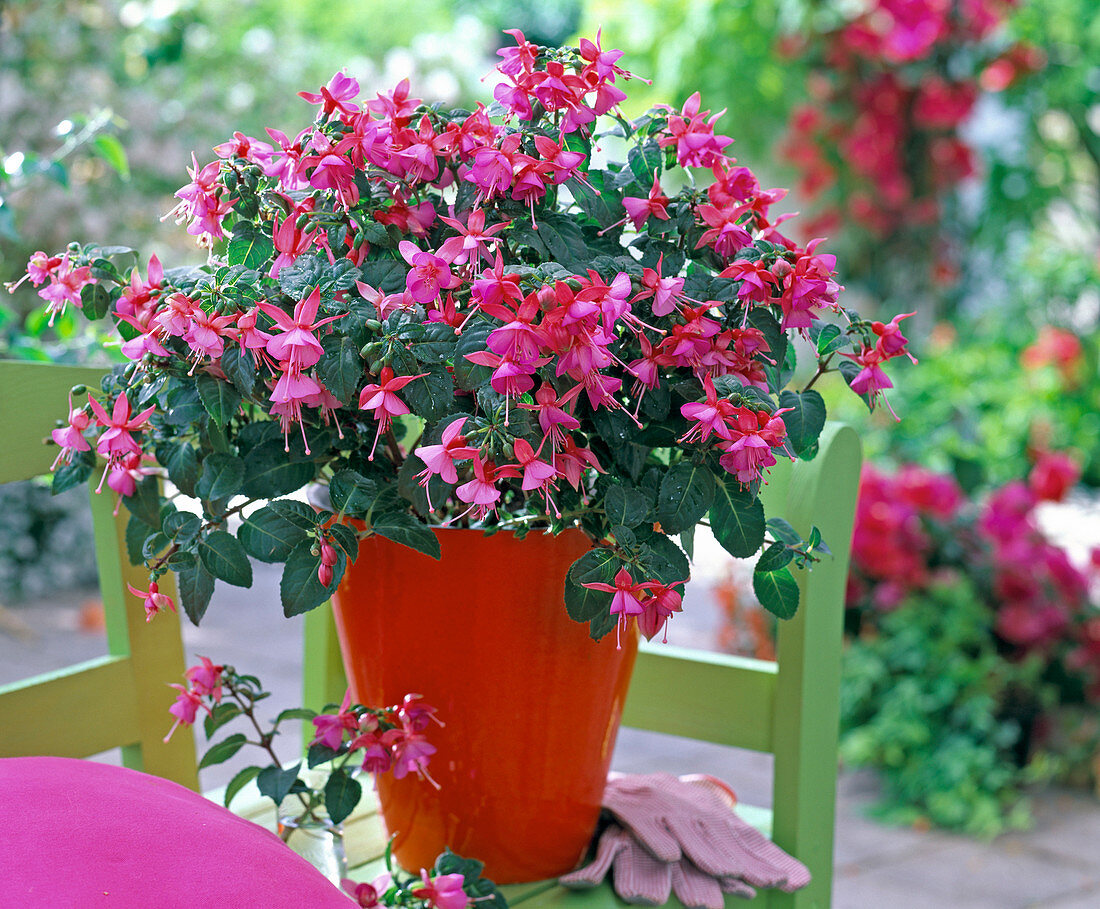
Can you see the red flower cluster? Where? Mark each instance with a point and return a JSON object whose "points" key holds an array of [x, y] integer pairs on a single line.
{"points": [[890, 104], [916, 529]]}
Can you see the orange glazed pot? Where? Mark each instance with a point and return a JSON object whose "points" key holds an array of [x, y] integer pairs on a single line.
{"points": [[531, 703]]}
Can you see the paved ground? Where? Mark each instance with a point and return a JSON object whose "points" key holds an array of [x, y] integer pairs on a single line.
{"points": [[1055, 866]]}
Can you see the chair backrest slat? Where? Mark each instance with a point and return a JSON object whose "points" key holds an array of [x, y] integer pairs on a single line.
{"points": [[120, 700]]}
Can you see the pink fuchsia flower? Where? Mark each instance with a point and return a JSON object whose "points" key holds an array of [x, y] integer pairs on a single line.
{"points": [[153, 600], [185, 708], [364, 894], [442, 892], [118, 440], [666, 292], [71, 437], [138, 296], [640, 210], [66, 283], [891, 342], [381, 398], [659, 608], [1054, 474], [125, 474], [242, 146], [296, 344], [572, 461], [627, 599], [553, 419], [429, 274], [693, 135], [416, 714], [711, 416], [536, 474], [472, 240], [337, 95], [377, 758], [481, 492], [754, 436], [440, 459], [411, 752], [757, 281], [205, 678], [871, 380], [332, 726], [725, 235]]}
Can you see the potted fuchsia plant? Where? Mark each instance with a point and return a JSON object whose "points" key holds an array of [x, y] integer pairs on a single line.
{"points": [[469, 319]]}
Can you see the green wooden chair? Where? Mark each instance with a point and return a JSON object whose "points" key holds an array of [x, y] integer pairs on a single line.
{"points": [[118, 700], [790, 708]]}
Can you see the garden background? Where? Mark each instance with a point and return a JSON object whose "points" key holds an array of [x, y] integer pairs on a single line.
{"points": [[950, 152]]}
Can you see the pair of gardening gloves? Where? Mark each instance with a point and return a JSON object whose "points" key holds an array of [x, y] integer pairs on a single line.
{"points": [[681, 836]]}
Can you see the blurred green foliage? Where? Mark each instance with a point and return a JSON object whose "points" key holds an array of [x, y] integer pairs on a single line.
{"points": [[971, 407], [724, 49], [942, 716]]}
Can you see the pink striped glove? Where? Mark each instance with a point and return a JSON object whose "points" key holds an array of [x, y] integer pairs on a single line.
{"points": [[674, 819]]}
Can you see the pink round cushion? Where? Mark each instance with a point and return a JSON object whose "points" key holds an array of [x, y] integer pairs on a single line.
{"points": [[77, 834]]}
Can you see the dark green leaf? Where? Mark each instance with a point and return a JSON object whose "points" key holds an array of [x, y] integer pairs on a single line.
{"points": [[595, 566], [184, 406], [625, 505], [295, 713], [352, 493], [74, 473], [687, 543], [223, 750], [384, 274], [664, 560], [299, 589], [403, 528], [182, 463], [805, 420], [644, 162], [687, 492], [95, 301], [182, 527], [318, 754], [469, 375], [782, 531], [220, 399], [297, 513], [196, 586], [737, 519], [225, 558], [432, 396], [342, 794], [250, 247], [137, 532], [240, 368], [774, 557], [341, 368], [275, 782], [829, 340], [347, 539], [222, 477], [242, 779], [777, 592], [145, 503], [272, 472], [268, 536], [219, 715]]}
